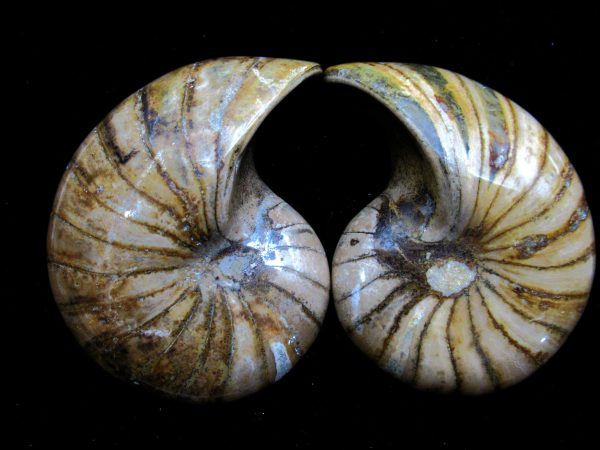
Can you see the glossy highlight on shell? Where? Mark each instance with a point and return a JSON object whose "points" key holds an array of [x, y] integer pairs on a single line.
{"points": [[171, 261], [469, 271]]}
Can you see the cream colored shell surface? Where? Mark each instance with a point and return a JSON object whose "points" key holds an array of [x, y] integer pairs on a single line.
{"points": [[469, 271], [170, 260]]}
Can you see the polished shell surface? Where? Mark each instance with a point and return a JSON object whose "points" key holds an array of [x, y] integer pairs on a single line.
{"points": [[469, 271], [170, 260]]}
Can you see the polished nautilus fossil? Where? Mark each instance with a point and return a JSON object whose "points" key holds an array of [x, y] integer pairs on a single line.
{"points": [[470, 269], [171, 261], [178, 269]]}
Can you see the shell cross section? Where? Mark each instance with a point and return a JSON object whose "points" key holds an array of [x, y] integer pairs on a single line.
{"points": [[469, 271], [170, 260]]}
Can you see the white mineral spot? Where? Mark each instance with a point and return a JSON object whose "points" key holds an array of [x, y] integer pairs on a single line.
{"points": [[282, 360], [155, 332], [450, 278]]}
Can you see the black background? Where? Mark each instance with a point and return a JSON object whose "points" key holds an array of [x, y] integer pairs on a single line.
{"points": [[323, 150]]}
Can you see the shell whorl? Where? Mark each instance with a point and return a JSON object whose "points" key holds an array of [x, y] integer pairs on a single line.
{"points": [[468, 272], [170, 260]]}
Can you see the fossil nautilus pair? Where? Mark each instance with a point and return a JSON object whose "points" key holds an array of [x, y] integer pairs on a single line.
{"points": [[177, 268]]}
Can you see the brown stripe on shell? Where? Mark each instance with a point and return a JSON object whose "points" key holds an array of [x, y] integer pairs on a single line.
{"points": [[191, 210], [129, 273], [229, 347], [199, 364], [567, 177], [492, 374], [435, 309], [181, 328], [390, 274], [551, 327], [457, 374], [511, 158], [185, 123], [107, 147], [398, 290], [396, 324], [259, 343], [542, 162], [123, 245], [537, 358], [84, 180], [483, 143]]}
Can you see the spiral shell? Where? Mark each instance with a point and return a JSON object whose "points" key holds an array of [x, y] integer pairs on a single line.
{"points": [[470, 269], [170, 260]]}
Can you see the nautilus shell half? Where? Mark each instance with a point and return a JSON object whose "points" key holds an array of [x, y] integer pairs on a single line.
{"points": [[469, 271], [171, 261]]}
